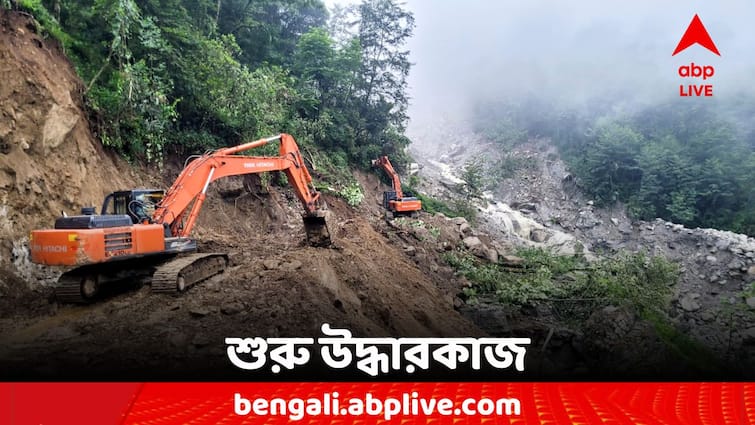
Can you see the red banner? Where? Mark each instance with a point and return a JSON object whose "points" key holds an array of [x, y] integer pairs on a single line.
{"points": [[369, 403]]}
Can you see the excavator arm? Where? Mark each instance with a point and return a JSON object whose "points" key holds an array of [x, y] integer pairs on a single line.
{"points": [[184, 199], [386, 165]]}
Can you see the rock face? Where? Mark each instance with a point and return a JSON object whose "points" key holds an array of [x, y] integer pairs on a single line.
{"points": [[49, 160]]}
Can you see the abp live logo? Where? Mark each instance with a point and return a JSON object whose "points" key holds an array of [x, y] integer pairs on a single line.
{"points": [[696, 34]]}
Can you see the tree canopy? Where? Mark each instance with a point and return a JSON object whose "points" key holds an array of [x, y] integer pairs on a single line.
{"points": [[188, 75]]}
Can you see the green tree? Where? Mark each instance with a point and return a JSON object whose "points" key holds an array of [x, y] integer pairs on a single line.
{"points": [[189, 75], [608, 165], [473, 175], [384, 28], [268, 30], [131, 96]]}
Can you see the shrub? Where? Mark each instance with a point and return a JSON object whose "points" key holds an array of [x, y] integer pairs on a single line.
{"points": [[352, 194]]}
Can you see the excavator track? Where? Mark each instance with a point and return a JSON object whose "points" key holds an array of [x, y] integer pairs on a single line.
{"points": [[69, 289], [180, 273]]}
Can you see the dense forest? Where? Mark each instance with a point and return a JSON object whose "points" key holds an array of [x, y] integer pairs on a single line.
{"points": [[688, 162], [184, 76]]}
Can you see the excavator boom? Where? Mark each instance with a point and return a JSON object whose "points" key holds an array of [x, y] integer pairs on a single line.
{"points": [[384, 163]]}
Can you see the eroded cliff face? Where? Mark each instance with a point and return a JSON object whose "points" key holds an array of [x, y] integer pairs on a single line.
{"points": [[49, 160]]}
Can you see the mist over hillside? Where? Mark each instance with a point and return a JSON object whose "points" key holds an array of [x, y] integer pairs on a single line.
{"points": [[599, 81], [568, 52]]}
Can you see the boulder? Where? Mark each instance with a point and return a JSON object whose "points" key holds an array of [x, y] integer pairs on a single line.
{"points": [[539, 235], [199, 311], [58, 125], [231, 308], [735, 265], [291, 265], [689, 302], [421, 233], [471, 242], [492, 255], [270, 264], [459, 220], [512, 260], [625, 228], [524, 206], [480, 251]]}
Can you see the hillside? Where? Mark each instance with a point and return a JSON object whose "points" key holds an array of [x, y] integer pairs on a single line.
{"points": [[539, 202]]}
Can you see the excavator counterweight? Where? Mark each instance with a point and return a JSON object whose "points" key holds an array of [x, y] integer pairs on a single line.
{"points": [[143, 234]]}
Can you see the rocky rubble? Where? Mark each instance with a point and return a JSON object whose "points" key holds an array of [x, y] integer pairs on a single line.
{"points": [[506, 223], [454, 233]]}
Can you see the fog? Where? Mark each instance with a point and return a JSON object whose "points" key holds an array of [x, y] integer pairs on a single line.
{"points": [[465, 52]]}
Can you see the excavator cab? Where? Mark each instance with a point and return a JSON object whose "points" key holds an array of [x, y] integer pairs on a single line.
{"points": [[138, 204], [119, 209]]}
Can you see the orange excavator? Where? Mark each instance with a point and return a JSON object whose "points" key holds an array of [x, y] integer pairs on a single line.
{"points": [[394, 201], [144, 233]]}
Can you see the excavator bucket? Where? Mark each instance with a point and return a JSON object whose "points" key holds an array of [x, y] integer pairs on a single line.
{"points": [[316, 226]]}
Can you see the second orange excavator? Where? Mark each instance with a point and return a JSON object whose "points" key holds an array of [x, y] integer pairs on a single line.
{"points": [[394, 201], [143, 234]]}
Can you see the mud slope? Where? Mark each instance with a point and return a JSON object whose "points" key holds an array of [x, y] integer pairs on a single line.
{"points": [[49, 160], [276, 286]]}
